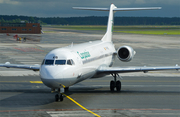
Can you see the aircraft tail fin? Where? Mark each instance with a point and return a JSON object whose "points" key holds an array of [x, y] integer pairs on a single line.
{"points": [[108, 36]]}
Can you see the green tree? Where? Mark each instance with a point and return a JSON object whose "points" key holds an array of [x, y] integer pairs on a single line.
{"points": [[2, 20], [31, 20]]}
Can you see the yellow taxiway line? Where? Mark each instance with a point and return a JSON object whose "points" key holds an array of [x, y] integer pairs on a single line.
{"points": [[72, 101], [36, 82], [81, 105]]}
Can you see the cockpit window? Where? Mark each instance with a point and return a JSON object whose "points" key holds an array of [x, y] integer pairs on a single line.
{"points": [[60, 62], [43, 62], [49, 62], [70, 62]]}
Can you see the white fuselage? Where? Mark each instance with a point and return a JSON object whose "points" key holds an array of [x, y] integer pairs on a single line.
{"points": [[58, 72]]}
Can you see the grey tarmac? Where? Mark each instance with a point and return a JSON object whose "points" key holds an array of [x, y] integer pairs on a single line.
{"points": [[142, 95]]}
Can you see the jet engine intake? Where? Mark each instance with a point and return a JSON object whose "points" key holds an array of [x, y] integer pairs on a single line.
{"points": [[125, 53]]}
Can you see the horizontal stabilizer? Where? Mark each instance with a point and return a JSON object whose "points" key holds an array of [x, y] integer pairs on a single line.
{"points": [[135, 9], [116, 9], [94, 9]]}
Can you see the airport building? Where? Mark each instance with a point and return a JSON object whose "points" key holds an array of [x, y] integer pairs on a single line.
{"points": [[27, 28]]}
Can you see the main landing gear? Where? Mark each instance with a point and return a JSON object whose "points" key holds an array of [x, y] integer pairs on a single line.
{"points": [[59, 96], [115, 84]]}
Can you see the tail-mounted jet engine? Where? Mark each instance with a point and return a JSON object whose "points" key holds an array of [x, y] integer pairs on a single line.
{"points": [[125, 53]]}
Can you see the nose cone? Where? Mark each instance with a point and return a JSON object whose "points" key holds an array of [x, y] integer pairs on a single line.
{"points": [[51, 72], [52, 76]]}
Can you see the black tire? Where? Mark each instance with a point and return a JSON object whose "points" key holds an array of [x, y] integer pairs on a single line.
{"points": [[61, 97], [56, 97], [118, 85], [112, 85]]}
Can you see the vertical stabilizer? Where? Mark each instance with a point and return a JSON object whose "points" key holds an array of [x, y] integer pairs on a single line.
{"points": [[108, 35]]}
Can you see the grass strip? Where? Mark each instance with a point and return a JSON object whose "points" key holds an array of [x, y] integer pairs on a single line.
{"points": [[154, 32]]}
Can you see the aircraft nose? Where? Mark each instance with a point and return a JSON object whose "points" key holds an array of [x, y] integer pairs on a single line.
{"points": [[51, 72], [51, 76]]}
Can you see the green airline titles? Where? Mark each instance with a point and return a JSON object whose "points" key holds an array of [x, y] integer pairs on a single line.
{"points": [[84, 55]]}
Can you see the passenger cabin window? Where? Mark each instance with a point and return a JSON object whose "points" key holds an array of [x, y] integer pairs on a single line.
{"points": [[49, 62], [60, 62]]}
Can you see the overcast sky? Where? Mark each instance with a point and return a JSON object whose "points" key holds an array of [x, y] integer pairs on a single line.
{"points": [[63, 8]]}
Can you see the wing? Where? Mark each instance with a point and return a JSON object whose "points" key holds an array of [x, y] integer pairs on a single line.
{"points": [[110, 70], [30, 67]]}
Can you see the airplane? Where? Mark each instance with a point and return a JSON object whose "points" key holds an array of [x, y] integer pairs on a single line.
{"points": [[66, 66]]}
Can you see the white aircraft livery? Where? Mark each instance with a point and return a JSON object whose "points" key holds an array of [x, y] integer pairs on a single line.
{"points": [[63, 67]]}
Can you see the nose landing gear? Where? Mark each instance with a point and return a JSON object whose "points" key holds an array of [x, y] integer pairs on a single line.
{"points": [[59, 96], [115, 84]]}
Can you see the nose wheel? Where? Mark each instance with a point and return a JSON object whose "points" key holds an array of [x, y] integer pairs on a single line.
{"points": [[59, 96], [115, 84]]}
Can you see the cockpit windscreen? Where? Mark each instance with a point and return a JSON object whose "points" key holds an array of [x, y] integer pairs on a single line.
{"points": [[60, 62], [49, 62]]}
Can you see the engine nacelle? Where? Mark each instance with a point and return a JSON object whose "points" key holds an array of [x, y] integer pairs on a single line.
{"points": [[125, 53]]}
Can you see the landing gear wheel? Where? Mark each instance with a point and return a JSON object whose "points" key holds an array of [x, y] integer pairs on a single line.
{"points": [[61, 98], [56, 97], [112, 85], [115, 83], [118, 85]]}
